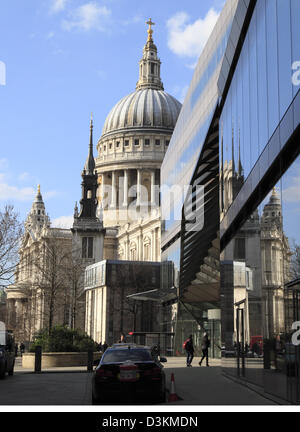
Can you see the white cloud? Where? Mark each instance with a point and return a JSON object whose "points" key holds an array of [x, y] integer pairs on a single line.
{"points": [[87, 17], [62, 222], [58, 5], [188, 39], [8, 192]]}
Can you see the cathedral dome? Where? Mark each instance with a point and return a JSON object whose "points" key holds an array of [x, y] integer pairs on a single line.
{"points": [[144, 108]]}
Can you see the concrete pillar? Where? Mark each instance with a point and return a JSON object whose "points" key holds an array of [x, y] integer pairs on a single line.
{"points": [[125, 192]]}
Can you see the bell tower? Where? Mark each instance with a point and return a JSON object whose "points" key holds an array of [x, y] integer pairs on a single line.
{"points": [[88, 231]]}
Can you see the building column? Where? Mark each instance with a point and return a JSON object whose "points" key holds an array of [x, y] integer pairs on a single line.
{"points": [[102, 189], [125, 191], [138, 188], [153, 246], [113, 190], [153, 197], [127, 249], [140, 248]]}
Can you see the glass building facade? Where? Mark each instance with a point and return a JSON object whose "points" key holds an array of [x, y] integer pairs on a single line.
{"points": [[177, 171], [243, 266]]}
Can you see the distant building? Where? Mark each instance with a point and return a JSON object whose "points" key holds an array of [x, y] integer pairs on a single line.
{"points": [[32, 304], [110, 310]]}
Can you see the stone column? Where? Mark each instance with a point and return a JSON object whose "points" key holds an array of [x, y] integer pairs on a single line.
{"points": [[153, 197], [125, 191], [140, 248], [127, 249], [102, 189], [113, 190], [153, 246], [138, 188]]}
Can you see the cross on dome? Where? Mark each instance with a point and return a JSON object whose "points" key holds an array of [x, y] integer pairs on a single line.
{"points": [[150, 31]]}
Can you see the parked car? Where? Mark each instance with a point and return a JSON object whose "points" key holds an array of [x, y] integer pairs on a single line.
{"points": [[7, 354], [129, 373]]}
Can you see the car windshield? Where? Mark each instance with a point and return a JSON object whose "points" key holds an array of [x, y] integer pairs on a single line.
{"points": [[121, 355]]}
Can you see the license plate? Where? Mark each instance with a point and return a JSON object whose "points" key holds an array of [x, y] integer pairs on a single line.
{"points": [[128, 376]]}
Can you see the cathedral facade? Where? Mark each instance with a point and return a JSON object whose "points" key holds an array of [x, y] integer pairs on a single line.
{"points": [[118, 217], [134, 140]]}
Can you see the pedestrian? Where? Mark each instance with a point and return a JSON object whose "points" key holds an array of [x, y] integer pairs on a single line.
{"points": [[155, 352], [22, 348], [122, 339], [189, 347], [16, 350], [100, 346], [104, 346], [204, 347]]}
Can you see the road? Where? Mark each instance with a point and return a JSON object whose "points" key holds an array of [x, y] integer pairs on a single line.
{"points": [[195, 386]]}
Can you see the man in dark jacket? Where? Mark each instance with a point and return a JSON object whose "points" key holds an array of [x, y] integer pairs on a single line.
{"points": [[205, 346], [189, 347]]}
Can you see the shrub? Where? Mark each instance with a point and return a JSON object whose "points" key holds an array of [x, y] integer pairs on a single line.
{"points": [[63, 339]]}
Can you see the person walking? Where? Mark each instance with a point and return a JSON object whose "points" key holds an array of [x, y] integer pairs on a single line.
{"points": [[189, 347], [22, 348], [205, 346], [122, 338], [104, 346]]}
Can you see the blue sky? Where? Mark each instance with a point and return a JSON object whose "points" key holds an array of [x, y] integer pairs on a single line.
{"points": [[66, 58]]}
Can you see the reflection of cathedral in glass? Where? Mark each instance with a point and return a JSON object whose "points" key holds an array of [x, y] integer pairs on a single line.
{"points": [[264, 249]]}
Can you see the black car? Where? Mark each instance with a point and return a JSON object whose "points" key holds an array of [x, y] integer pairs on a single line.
{"points": [[7, 354], [129, 373]]}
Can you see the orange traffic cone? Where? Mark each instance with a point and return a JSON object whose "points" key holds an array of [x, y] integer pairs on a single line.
{"points": [[173, 396]]}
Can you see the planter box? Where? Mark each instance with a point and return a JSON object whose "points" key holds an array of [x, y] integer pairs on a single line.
{"points": [[50, 360]]}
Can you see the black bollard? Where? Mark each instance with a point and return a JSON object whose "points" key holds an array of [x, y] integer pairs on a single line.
{"points": [[90, 361], [38, 359]]}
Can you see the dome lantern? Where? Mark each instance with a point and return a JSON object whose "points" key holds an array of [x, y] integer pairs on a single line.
{"points": [[149, 72]]}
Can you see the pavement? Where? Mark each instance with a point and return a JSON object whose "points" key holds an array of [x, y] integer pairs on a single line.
{"points": [[208, 386], [72, 386]]}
